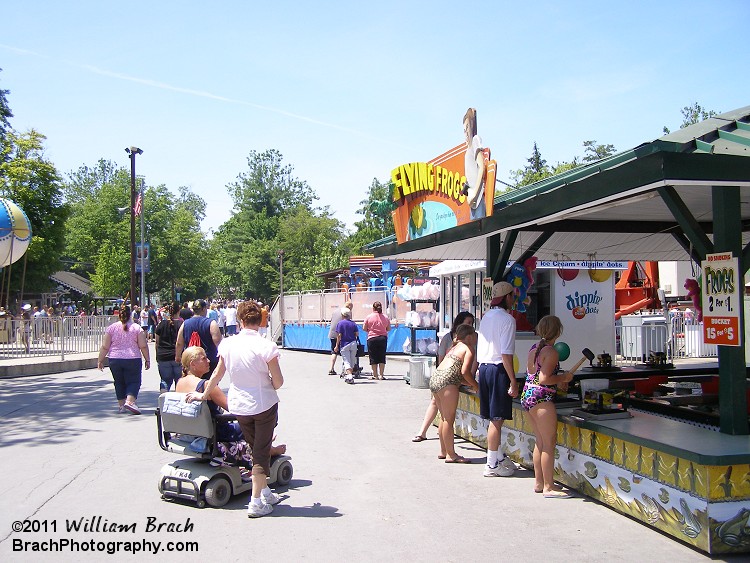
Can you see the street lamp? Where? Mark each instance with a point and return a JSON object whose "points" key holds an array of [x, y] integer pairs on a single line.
{"points": [[132, 151], [281, 294]]}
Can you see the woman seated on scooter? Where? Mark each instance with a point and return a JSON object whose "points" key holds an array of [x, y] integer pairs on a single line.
{"points": [[234, 449]]}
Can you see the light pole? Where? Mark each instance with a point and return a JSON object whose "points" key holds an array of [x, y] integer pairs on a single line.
{"points": [[281, 294], [143, 248], [132, 151]]}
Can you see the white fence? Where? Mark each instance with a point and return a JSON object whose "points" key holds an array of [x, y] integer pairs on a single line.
{"points": [[52, 336]]}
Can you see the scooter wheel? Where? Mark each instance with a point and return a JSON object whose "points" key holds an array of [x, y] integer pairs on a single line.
{"points": [[218, 491], [284, 473]]}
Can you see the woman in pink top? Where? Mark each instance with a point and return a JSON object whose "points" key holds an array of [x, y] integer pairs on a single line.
{"points": [[124, 343], [377, 326]]}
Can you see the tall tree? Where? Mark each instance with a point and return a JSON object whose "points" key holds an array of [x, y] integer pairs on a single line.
{"points": [[34, 184], [535, 170]]}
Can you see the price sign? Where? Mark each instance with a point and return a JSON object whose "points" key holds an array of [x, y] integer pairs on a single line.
{"points": [[721, 299]]}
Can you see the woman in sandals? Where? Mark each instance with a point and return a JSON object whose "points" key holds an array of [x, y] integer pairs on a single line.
{"points": [[456, 368], [537, 398]]}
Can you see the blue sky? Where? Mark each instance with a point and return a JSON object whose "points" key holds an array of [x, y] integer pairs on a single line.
{"points": [[348, 91]]}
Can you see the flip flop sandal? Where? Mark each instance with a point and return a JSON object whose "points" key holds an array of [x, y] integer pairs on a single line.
{"points": [[458, 459], [558, 494], [441, 457], [418, 439]]}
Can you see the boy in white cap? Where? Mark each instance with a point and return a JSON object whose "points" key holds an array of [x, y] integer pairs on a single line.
{"points": [[497, 378]]}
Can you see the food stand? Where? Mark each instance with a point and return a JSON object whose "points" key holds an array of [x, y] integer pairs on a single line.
{"points": [[683, 196]]}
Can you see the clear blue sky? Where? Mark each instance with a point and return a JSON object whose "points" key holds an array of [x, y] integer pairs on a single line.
{"points": [[346, 91]]}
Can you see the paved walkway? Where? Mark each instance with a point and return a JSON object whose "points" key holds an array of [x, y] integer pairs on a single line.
{"points": [[362, 491]]}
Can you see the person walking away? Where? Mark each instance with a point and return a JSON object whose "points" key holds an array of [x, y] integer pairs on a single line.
{"points": [[376, 326], [335, 318], [464, 317], [457, 368], [124, 342], [186, 312], [213, 314], [347, 338], [231, 319], [537, 398], [221, 321], [166, 333], [206, 331], [497, 378], [253, 366], [263, 327], [152, 322]]}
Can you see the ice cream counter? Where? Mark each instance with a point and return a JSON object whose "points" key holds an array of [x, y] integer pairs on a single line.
{"points": [[689, 482]]}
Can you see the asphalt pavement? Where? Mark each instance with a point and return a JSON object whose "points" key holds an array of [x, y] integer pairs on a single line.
{"points": [[361, 491]]}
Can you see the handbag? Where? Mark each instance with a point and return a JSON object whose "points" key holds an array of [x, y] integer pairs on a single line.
{"points": [[360, 350]]}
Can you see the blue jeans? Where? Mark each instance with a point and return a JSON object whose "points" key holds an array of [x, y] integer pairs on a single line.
{"points": [[231, 330], [127, 376], [169, 372]]}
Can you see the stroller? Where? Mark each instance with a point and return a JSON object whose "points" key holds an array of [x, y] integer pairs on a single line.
{"points": [[190, 430]]}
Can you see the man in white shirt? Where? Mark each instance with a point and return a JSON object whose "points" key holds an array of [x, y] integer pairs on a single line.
{"points": [[497, 378]]}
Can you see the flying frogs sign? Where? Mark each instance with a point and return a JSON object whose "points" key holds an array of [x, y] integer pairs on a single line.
{"points": [[720, 299], [452, 189]]}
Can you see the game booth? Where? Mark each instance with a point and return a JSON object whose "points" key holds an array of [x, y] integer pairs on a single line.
{"points": [[664, 442]]}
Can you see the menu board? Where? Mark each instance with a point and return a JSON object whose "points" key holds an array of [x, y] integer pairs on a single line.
{"points": [[721, 299]]}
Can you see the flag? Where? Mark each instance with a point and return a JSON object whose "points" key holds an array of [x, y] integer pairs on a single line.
{"points": [[138, 204]]}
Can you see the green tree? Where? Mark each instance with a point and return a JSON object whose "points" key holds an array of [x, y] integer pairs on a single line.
{"points": [[273, 211], [34, 184], [5, 115], [692, 114], [98, 232], [535, 170], [593, 152], [377, 221]]}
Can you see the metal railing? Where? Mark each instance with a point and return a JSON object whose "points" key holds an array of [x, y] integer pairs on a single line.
{"points": [[52, 336], [680, 338]]}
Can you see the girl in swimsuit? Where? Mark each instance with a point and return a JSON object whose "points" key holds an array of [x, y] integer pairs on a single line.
{"points": [[456, 368], [538, 393]]}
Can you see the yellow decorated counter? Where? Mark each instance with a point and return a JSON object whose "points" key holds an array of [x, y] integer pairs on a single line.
{"points": [[691, 483]]}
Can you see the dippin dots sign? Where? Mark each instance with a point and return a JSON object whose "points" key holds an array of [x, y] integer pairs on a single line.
{"points": [[582, 304]]}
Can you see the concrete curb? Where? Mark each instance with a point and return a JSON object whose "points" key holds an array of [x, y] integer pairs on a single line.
{"points": [[46, 368]]}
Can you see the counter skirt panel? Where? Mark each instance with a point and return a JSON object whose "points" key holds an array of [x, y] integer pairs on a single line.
{"points": [[664, 473]]}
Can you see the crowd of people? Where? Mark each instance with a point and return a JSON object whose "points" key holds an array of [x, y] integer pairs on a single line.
{"points": [[199, 343]]}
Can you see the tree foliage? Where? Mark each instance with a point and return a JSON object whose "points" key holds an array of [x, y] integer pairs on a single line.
{"points": [[376, 210], [33, 183], [691, 115], [537, 168], [98, 234], [273, 211]]}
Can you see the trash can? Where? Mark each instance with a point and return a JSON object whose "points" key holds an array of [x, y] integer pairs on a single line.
{"points": [[419, 371]]}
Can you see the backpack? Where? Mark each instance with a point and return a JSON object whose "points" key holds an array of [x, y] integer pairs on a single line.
{"points": [[195, 339]]}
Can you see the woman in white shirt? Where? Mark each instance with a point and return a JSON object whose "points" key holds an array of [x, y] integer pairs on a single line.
{"points": [[252, 363]]}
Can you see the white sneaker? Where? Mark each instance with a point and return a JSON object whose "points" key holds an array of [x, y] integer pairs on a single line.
{"points": [[258, 510], [271, 498], [505, 468], [508, 465]]}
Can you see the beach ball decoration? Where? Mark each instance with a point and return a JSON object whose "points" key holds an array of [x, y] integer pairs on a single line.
{"points": [[563, 350], [15, 232], [600, 275], [567, 274]]}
